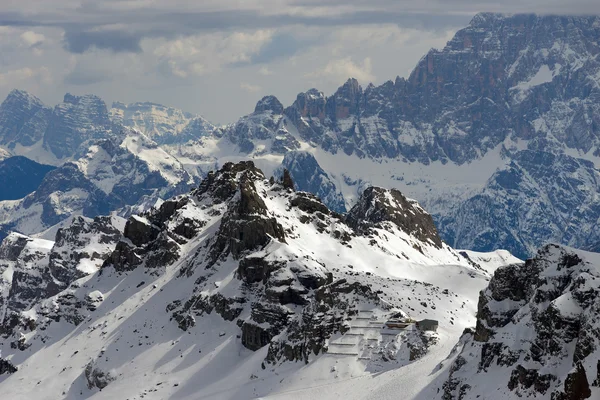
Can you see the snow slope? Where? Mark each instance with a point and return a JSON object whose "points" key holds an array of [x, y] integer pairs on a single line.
{"points": [[189, 304]]}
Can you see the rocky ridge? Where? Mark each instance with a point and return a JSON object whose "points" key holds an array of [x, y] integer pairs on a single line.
{"points": [[537, 332], [233, 262]]}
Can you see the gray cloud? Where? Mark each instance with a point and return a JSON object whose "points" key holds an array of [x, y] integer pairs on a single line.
{"points": [[84, 31], [115, 40], [90, 25], [216, 59], [280, 46]]}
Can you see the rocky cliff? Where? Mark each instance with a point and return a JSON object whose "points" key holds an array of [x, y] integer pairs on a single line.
{"points": [[537, 332]]}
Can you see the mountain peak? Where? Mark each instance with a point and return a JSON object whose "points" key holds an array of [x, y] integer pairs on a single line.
{"points": [[484, 18], [377, 205], [351, 87], [73, 99], [23, 98], [23, 94], [269, 103]]}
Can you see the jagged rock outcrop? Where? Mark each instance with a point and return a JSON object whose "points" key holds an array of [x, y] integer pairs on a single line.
{"points": [[6, 367], [75, 120], [41, 268], [23, 261], [81, 247], [96, 378], [377, 205], [538, 324]]}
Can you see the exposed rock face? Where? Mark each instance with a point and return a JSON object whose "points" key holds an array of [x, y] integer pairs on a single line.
{"points": [[23, 119], [537, 321], [140, 231], [27, 259], [499, 77], [6, 367], [246, 225], [286, 180], [269, 104], [96, 378], [41, 268], [377, 205], [77, 119], [81, 247]]}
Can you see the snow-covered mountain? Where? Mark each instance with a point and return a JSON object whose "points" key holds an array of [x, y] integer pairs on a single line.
{"points": [[520, 77], [240, 289], [461, 134], [537, 197], [128, 175], [164, 125], [537, 334], [48, 135]]}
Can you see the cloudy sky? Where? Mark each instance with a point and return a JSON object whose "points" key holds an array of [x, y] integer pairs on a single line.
{"points": [[218, 57]]}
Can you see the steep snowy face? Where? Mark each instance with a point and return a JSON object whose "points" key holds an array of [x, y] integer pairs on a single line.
{"points": [[164, 125], [250, 274], [537, 334], [538, 197], [111, 175]]}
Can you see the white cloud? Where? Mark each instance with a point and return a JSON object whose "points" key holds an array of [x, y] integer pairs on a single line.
{"points": [[31, 38], [15, 77], [265, 71], [248, 87], [203, 54], [202, 62], [344, 68]]}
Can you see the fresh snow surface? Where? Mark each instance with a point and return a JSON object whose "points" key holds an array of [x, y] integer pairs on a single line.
{"points": [[131, 337]]}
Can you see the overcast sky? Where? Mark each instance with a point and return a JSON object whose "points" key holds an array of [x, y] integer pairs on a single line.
{"points": [[218, 57]]}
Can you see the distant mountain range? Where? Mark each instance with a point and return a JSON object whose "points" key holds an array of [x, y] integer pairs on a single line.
{"points": [[497, 134], [147, 253]]}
